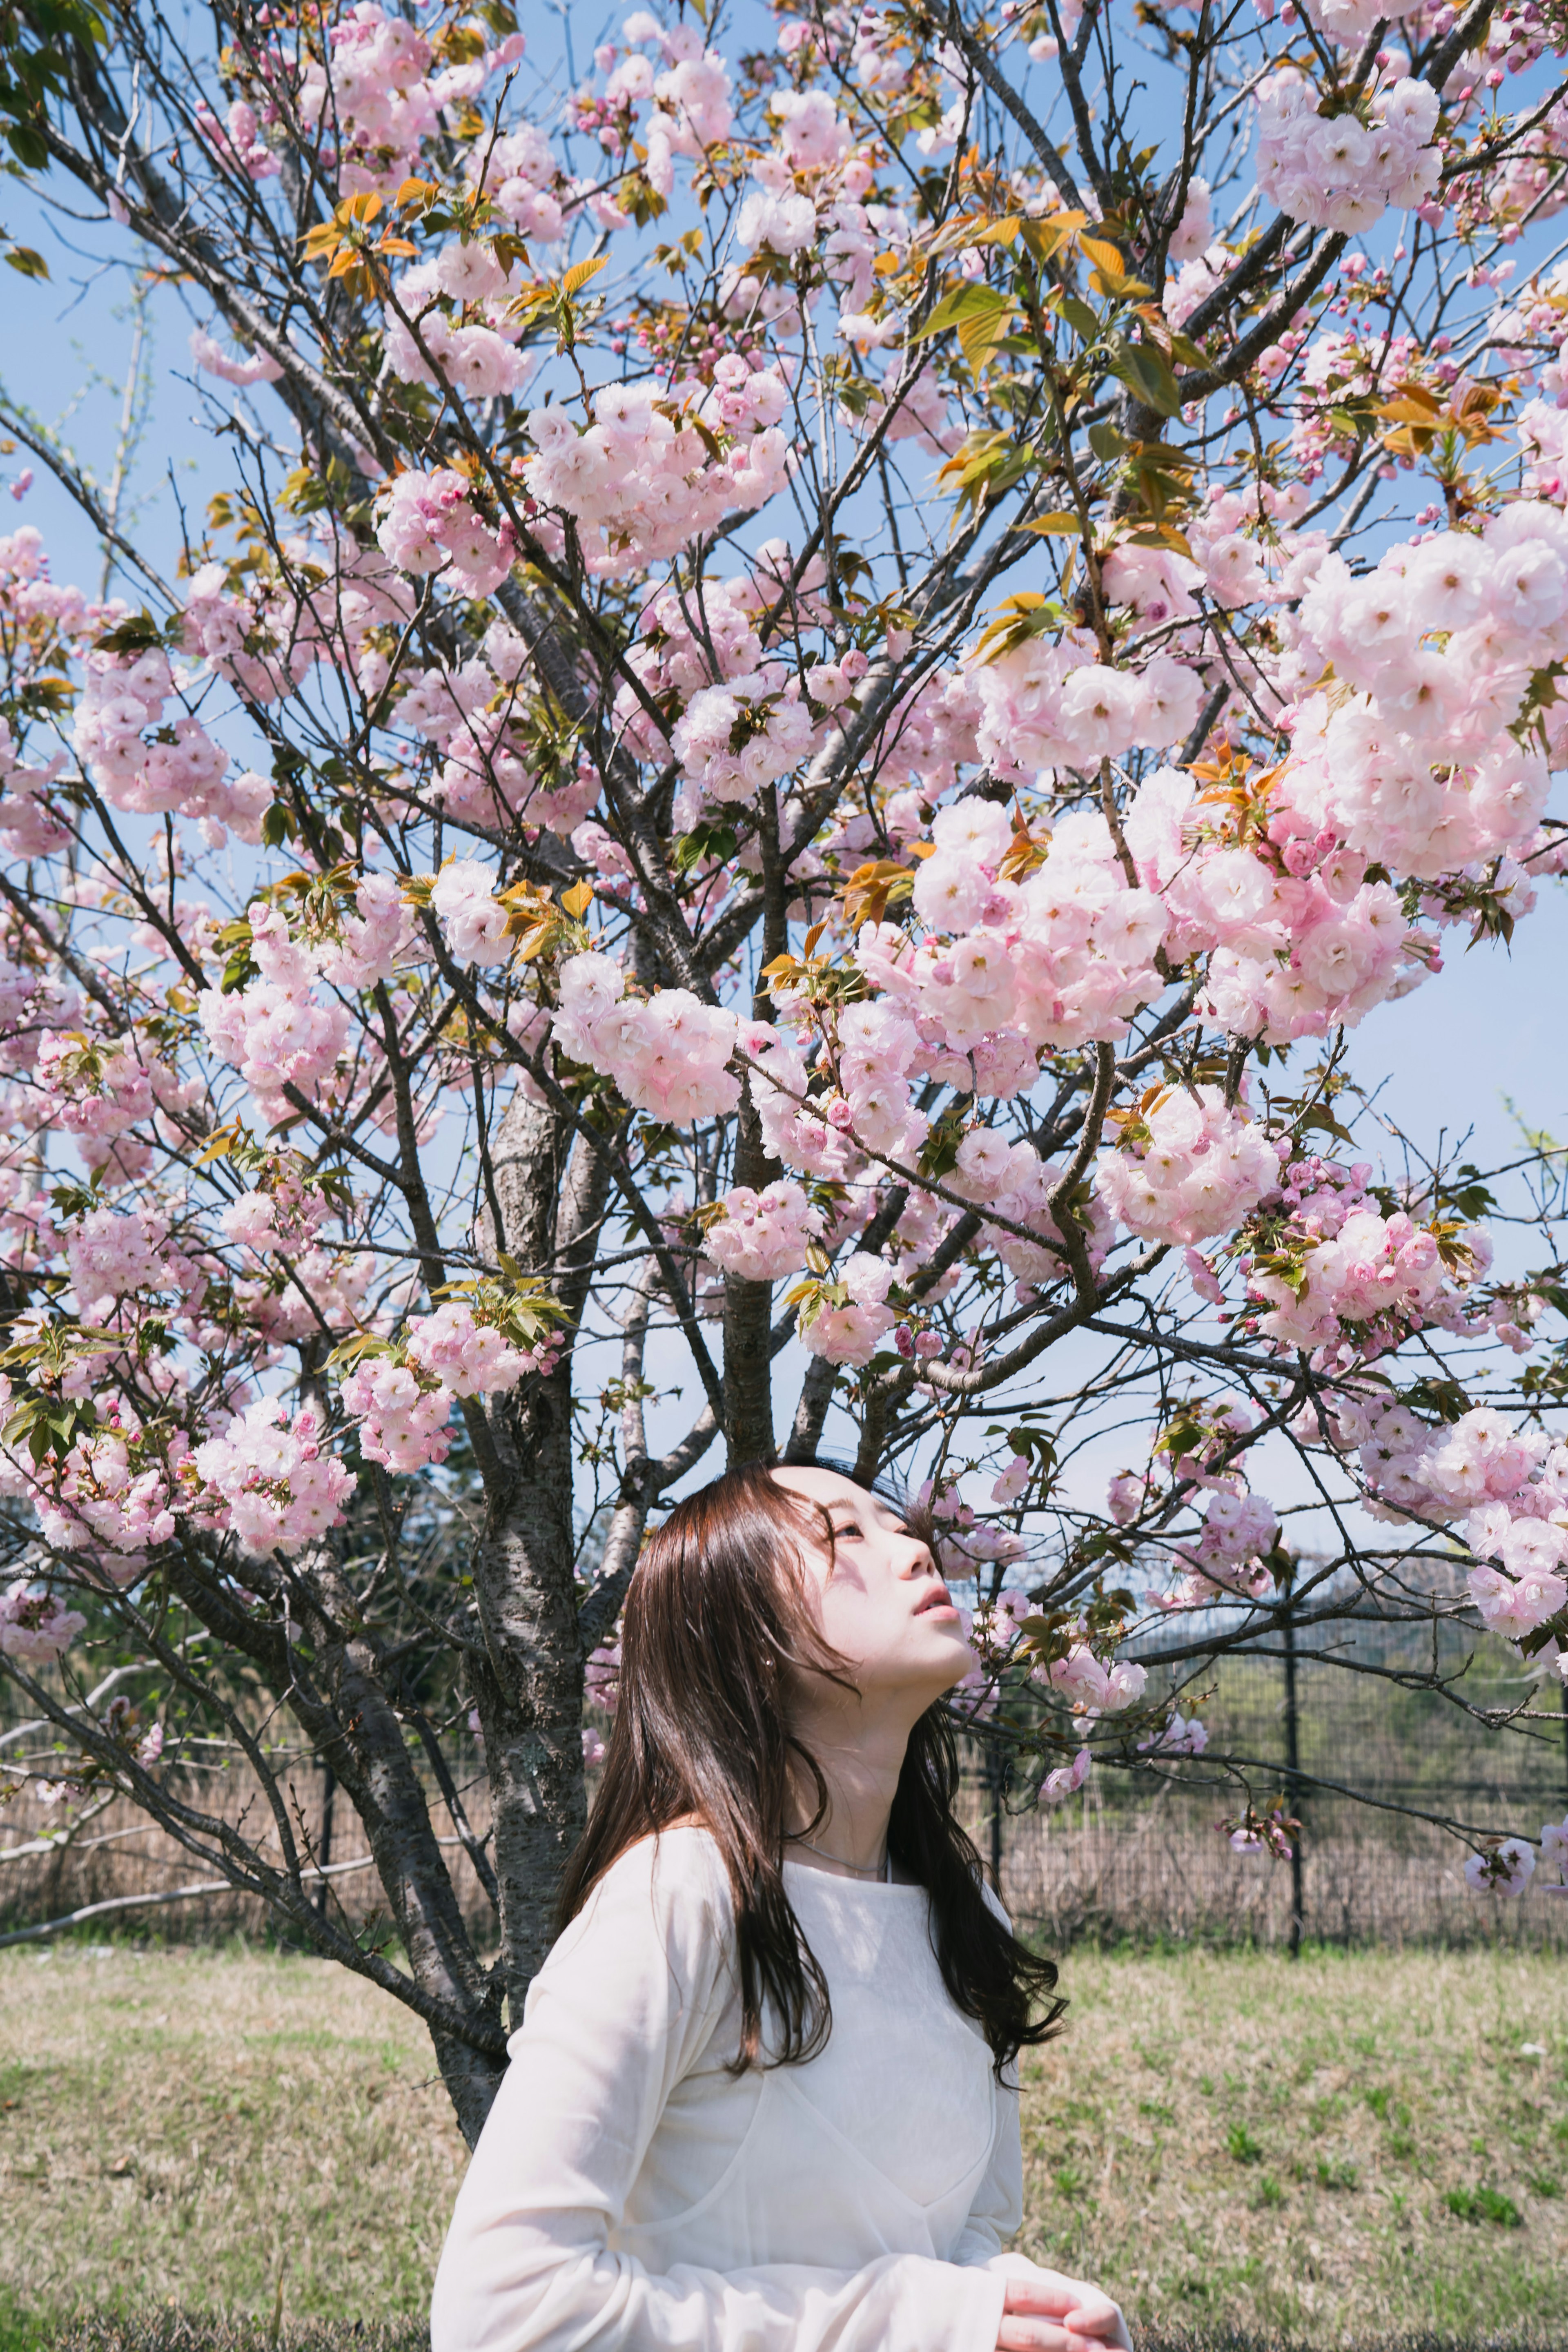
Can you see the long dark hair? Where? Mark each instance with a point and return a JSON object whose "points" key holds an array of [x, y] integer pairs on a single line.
{"points": [[717, 1612]]}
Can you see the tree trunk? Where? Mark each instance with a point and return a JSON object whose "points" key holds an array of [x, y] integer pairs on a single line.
{"points": [[747, 1317], [528, 1687]]}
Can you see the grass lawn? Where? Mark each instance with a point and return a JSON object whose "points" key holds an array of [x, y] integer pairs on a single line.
{"points": [[192, 2128], [1341, 2151]]}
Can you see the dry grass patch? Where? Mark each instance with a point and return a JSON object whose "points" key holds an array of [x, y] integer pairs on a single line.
{"points": [[186, 2127], [1343, 2149]]}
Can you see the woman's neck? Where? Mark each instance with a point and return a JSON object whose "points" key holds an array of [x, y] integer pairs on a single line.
{"points": [[860, 1755]]}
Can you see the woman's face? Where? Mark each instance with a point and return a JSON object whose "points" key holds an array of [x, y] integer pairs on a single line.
{"points": [[882, 1600]]}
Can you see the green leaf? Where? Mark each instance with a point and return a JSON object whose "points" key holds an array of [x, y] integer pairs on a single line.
{"points": [[277, 825], [137, 633], [966, 302], [1080, 316], [30, 264], [1145, 371], [720, 840]]}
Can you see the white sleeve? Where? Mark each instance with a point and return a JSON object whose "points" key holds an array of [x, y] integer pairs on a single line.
{"points": [[998, 2209], [621, 2010]]}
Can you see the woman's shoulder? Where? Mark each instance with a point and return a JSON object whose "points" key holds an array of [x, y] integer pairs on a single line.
{"points": [[673, 1879]]}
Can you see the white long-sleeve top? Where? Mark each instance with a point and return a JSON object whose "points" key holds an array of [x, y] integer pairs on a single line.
{"points": [[629, 2194]]}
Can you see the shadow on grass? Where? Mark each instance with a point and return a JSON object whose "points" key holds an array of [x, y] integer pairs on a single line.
{"points": [[194, 2332]]}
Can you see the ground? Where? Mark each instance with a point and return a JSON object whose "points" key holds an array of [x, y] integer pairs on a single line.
{"points": [[1343, 2148]]}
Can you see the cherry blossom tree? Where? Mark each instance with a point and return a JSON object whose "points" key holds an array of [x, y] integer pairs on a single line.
{"points": [[840, 654]]}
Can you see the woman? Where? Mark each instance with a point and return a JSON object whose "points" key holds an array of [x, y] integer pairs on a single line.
{"points": [[763, 2099]]}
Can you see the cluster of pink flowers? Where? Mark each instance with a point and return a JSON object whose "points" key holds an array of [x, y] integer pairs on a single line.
{"points": [[402, 1421], [1011, 1178], [472, 1358], [1298, 939], [476, 356], [1511, 1486], [1188, 1167], [762, 1235], [472, 917], [265, 638], [1051, 703], [1418, 769], [1092, 1686], [239, 140], [641, 480], [474, 715], [668, 1055], [276, 1032], [1053, 960], [112, 1498], [93, 1092], [375, 95], [116, 1254], [1239, 1530], [428, 523], [1336, 170], [268, 1479], [735, 738], [35, 1626], [846, 1317], [1340, 1276], [284, 1211], [29, 827], [182, 770]]}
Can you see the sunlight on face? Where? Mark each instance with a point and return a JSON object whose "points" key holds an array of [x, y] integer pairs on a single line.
{"points": [[882, 1600]]}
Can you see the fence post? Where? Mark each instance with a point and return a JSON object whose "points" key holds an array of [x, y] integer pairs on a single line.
{"points": [[998, 1777], [324, 1842], [1294, 1762]]}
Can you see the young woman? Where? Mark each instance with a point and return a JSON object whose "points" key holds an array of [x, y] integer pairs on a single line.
{"points": [[763, 2097]]}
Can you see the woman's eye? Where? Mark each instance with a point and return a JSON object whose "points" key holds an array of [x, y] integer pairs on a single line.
{"points": [[839, 1533]]}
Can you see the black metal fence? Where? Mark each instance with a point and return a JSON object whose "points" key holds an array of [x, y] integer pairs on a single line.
{"points": [[1142, 1854]]}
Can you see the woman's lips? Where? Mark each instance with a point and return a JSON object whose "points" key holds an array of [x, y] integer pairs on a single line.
{"points": [[939, 1602]]}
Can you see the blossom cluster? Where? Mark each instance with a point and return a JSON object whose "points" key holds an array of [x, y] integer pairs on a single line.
{"points": [[762, 1237], [1511, 1865], [431, 521], [1340, 1276], [643, 478], [1007, 968], [1336, 170], [182, 770], [268, 1480], [1051, 703], [668, 1054], [1297, 938], [35, 1625], [1188, 1166], [1418, 767], [403, 1399]]}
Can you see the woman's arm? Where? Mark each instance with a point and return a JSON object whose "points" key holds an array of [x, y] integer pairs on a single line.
{"points": [[625, 2006], [997, 2208]]}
